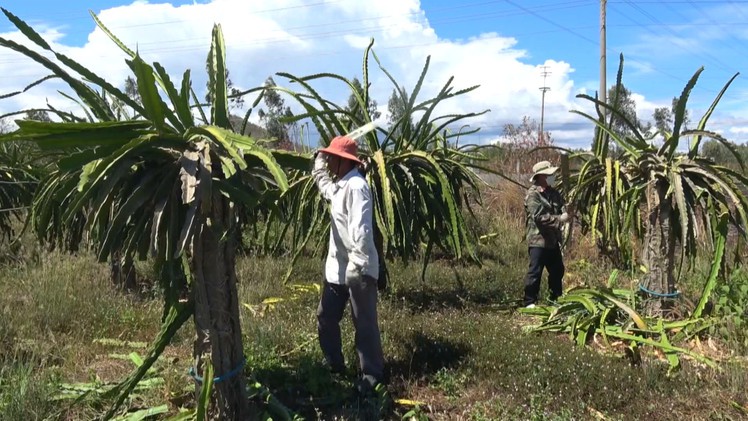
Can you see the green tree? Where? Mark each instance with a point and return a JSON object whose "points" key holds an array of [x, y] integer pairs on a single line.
{"points": [[162, 184], [419, 182], [620, 98], [277, 118], [131, 89], [355, 108], [676, 204], [236, 100], [120, 109], [397, 104], [397, 111], [663, 117], [38, 115], [723, 154]]}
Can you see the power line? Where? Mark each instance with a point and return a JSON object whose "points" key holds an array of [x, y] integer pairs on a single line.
{"points": [[81, 16], [358, 29], [715, 23], [715, 2], [522, 10], [308, 5], [659, 69], [673, 33], [594, 42], [550, 21], [318, 35], [739, 10]]}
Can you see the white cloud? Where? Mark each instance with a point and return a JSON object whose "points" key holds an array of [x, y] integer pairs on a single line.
{"points": [[645, 108], [267, 36]]}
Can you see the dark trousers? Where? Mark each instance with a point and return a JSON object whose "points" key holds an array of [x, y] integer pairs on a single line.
{"points": [[363, 298], [551, 260]]}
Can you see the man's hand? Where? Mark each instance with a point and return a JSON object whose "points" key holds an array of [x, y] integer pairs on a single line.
{"points": [[369, 280], [353, 276], [571, 210], [563, 218], [320, 160], [365, 165], [321, 175]]}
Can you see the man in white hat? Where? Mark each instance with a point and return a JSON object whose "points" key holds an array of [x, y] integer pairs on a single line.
{"points": [[546, 213], [352, 264]]}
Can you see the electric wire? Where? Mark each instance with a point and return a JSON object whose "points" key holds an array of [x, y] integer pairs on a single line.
{"points": [[504, 13]]}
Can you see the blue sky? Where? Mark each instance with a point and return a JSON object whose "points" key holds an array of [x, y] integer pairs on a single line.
{"points": [[501, 45]]}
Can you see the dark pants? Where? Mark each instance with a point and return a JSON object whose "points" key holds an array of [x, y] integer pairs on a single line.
{"points": [[363, 298], [540, 258]]}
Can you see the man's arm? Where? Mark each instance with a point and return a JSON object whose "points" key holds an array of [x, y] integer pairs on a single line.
{"points": [[564, 207], [327, 187], [361, 234], [544, 220], [566, 210]]}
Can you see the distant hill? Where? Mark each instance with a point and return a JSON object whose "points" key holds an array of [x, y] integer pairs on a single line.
{"points": [[252, 130]]}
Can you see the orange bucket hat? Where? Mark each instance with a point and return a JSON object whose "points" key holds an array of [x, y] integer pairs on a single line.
{"points": [[344, 147]]}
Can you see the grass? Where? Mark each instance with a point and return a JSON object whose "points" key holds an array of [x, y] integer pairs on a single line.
{"points": [[24, 389], [453, 343]]}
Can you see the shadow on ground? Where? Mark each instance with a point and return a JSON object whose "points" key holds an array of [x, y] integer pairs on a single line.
{"points": [[427, 356], [308, 388], [423, 297]]}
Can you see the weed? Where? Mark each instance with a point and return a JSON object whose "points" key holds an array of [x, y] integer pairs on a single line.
{"points": [[451, 382], [731, 306], [451, 343], [415, 414], [69, 295], [24, 391]]}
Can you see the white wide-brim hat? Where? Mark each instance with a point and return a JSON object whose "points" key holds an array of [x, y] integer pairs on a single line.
{"points": [[542, 167]]}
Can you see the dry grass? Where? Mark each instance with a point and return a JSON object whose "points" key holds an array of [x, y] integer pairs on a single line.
{"points": [[452, 342]]}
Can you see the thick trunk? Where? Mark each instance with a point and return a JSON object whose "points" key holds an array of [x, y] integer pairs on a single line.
{"points": [[217, 312], [658, 253], [123, 271]]}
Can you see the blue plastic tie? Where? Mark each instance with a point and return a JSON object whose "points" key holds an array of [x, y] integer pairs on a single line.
{"points": [[219, 379], [659, 294]]}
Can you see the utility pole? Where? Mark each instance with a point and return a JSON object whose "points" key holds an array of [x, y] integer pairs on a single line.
{"points": [[603, 96], [543, 89]]}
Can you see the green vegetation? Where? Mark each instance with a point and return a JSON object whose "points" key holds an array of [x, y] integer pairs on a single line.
{"points": [[18, 179], [420, 183], [678, 204], [216, 221], [453, 344], [164, 183]]}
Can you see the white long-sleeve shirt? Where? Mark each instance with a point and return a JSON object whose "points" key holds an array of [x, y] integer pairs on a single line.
{"points": [[351, 253]]}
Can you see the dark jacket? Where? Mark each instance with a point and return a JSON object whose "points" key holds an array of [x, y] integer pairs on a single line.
{"points": [[542, 210]]}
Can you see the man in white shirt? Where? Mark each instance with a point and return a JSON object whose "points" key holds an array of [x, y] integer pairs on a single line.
{"points": [[352, 264]]}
